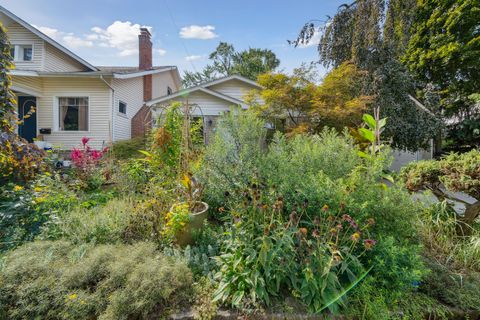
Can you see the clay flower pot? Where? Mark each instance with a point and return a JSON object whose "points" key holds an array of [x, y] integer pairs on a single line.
{"points": [[197, 214]]}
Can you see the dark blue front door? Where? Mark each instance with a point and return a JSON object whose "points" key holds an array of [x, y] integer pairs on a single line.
{"points": [[28, 128]]}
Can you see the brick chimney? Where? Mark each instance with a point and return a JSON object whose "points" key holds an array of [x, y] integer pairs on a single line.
{"points": [[145, 61]]}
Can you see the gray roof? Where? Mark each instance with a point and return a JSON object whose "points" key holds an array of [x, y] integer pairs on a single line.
{"points": [[128, 70]]}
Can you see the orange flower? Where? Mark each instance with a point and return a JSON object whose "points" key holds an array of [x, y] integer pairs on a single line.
{"points": [[303, 231]]}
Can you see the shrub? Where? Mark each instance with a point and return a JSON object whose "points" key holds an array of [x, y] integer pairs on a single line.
{"points": [[455, 172], [102, 224], [24, 210], [20, 161], [58, 280], [312, 177], [87, 161], [232, 159], [127, 149]]}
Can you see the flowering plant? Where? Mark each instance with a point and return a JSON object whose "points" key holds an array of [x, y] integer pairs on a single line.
{"points": [[86, 161]]}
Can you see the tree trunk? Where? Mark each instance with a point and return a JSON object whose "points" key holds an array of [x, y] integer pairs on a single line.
{"points": [[472, 211]]}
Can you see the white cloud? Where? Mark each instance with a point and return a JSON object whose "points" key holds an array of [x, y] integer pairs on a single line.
{"points": [[120, 35], [76, 42], [198, 32], [194, 57], [69, 39]]}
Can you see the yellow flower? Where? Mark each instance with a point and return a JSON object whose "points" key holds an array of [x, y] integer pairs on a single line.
{"points": [[17, 188], [73, 296], [355, 236], [37, 189]]}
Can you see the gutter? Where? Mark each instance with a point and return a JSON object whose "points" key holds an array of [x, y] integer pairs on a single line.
{"points": [[113, 107]]}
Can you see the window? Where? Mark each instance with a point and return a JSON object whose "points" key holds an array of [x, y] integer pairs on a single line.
{"points": [[22, 52], [169, 91], [27, 53], [122, 107], [73, 113]]}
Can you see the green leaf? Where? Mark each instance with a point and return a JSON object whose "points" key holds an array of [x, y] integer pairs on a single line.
{"points": [[145, 153], [382, 123], [367, 134], [237, 297], [369, 120], [363, 155]]}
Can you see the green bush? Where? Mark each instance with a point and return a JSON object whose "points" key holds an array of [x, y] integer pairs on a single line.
{"points": [[127, 149], [102, 224], [232, 159], [313, 177], [24, 210], [58, 280]]}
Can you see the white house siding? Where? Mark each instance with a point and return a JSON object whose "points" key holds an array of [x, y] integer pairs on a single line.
{"points": [[129, 91], [57, 61], [27, 85], [160, 82], [19, 35], [99, 110], [233, 88], [207, 104]]}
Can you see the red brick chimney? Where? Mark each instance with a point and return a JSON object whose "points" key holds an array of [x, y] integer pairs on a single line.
{"points": [[142, 121], [145, 61]]}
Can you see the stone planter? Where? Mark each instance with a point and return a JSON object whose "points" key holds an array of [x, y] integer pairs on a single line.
{"points": [[197, 217]]}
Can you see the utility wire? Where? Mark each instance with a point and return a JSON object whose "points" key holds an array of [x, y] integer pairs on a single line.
{"points": [[178, 30]]}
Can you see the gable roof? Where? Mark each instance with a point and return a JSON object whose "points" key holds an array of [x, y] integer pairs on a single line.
{"points": [[228, 78], [46, 38], [124, 73], [204, 87], [195, 89]]}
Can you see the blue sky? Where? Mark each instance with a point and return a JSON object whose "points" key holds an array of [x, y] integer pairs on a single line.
{"points": [[184, 31]]}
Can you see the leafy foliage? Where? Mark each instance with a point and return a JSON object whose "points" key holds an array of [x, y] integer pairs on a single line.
{"points": [[19, 160], [7, 100], [455, 172], [226, 61], [445, 50], [291, 188], [58, 280], [359, 34], [337, 102]]}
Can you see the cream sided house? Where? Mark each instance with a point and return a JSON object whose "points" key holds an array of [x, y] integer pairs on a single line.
{"points": [[208, 100], [73, 98]]}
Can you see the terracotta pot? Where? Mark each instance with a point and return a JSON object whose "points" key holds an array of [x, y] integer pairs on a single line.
{"points": [[197, 217]]}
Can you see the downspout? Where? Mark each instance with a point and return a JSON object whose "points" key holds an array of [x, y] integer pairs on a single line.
{"points": [[113, 107]]}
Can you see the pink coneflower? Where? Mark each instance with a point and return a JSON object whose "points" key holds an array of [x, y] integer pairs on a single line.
{"points": [[85, 140], [369, 243]]}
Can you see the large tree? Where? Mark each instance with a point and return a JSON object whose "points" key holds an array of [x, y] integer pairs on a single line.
{"points": [[226, 61], [337, 102], [444, 50], [372, 34]]}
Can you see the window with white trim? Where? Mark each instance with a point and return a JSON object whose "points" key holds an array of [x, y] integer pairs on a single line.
{"points": [[73, 113], [22, 52], [122, 107]]}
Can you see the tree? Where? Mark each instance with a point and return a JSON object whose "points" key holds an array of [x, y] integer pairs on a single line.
{"points": [[7, 99], [226, 61], [372, 35], [444, 50], [337, 102], [19, 160], [287, 97]]}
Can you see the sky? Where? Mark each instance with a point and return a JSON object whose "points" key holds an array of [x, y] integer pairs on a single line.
{"points": [[104, 32]]}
